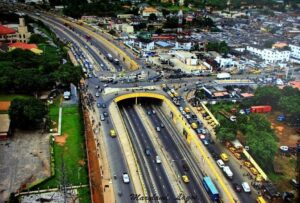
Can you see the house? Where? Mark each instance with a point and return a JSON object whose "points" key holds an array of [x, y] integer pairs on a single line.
{"points": [[5, 129], [145, 12], [20, 45]]}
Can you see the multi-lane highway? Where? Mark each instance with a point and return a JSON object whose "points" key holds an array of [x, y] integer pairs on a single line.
{"points": [[154, 173], [156, 178]]}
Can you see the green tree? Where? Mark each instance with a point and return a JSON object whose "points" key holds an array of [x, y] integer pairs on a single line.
{"points": [[67, 74], [152, 17], [13, 198], [268, 95], [225, 134], [37, 39], [263, 147], [27, 113]]}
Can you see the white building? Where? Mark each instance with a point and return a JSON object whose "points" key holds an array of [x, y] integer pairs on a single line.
{"points": [[124, 28], [225, 62], [186, 57], [295, 51], [36, 1], [270, 55]]}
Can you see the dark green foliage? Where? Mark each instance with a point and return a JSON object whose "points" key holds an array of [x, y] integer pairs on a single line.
{"points": [[25, 72], [220, 47], [13, 198], [37, 39], [27, 113]]}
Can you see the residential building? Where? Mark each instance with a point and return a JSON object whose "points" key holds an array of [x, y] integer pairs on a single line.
{"points": [[145, 12], [270, 55], [295, 51]]}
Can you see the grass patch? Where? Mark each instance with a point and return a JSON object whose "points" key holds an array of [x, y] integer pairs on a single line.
{"points": [[84, 195], [54, 111], [275, 177], [72, 153], [10, 97]]}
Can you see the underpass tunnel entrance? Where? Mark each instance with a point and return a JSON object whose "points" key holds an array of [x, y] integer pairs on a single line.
{"points": [[145, 101]]}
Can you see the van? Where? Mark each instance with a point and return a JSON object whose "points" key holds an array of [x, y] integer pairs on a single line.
{"points": [[102, 118], [246, 187], [224, 157]]}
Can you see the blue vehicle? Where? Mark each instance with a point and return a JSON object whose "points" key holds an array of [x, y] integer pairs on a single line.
{"points": [[211, 188]]}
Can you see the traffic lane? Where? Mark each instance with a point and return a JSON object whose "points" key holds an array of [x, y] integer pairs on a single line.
{"points": [[139, 129], [80, 41], [102, 49], [174, 152], [237, 176], [150, 185], [116, 43], [116, 159], [161, 178]]}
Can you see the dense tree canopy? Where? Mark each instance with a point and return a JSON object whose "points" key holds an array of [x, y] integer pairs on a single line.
{"points": [[220, 47], [25, 72], [27, 113]]}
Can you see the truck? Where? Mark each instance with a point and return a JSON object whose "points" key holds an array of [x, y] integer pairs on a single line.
{"points": [[109, 57], [228, 172], [260, 109]]}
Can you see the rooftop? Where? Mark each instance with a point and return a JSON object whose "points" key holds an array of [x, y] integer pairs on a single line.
{"points": [[5, 122], [6, 30]]}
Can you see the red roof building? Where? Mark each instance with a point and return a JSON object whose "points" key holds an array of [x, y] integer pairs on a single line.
{"points": [[6, 30], [22, 45]]}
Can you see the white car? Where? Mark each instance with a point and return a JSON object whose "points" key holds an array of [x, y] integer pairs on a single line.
{"points": [[105, 85], [220, 163], [246, 187], [158, 161], [126, 178], [97, 94]]}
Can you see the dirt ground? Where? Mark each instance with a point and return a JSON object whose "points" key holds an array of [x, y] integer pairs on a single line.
{"points": [[287, 135], [21, 165], [61, 140]]}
